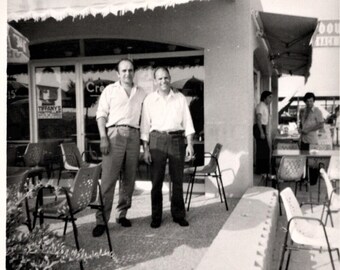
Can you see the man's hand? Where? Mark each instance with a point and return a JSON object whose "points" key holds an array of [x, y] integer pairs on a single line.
{"points": [[104, 145], [189, 151], [147, 156], [263, 136]]}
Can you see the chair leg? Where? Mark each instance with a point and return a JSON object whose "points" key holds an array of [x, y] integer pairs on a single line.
{"points": [[278, 189], [219, 188], [188, 188], [323, 211], [190, 194], [104, 218], [75, 233], [284, 249], [289, 254], [65, 226], [28, 215], [223, 192]]}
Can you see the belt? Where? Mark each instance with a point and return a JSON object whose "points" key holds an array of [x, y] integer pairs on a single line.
{"points": [[176, 132], [124, 126]]}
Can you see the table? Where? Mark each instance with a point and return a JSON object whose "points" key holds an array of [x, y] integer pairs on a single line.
{"points": [[332, 154]]}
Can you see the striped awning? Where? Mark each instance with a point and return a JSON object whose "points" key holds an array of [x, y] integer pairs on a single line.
{"points": [[60, 9]]}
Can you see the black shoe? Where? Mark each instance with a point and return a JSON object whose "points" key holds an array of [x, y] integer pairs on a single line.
{"points": [[98, 230], [182, 222], [124, 222], [155, 224]]}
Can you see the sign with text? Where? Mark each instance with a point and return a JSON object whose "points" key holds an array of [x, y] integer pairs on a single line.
{"points": [[17, 46], [327, 34]]}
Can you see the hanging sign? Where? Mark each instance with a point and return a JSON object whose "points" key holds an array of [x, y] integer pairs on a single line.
{"points": [[17, 46], [327, 34]]}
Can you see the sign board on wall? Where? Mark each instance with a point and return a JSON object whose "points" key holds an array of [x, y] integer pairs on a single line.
{"points": [[327, 34], [49, 96], [17, 46]]}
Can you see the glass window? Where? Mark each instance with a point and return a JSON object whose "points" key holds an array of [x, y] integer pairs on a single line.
{"points": [[56, 102], [18, 122]]}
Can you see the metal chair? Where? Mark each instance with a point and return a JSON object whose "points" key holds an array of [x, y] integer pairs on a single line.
{"points": [[72, 160], [211, 169], [319, 162], [306, 233], [82, 194], [291, 169], [333, 198]]}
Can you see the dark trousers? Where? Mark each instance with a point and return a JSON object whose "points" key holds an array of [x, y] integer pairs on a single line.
{"points": [[262, 153], [165, 147], [313, 172]]}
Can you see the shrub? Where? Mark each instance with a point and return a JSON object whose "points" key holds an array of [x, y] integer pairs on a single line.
{"points": [[39, 249]]}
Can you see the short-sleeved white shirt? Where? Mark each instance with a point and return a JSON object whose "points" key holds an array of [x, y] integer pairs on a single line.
{"points": [[263, 109]]}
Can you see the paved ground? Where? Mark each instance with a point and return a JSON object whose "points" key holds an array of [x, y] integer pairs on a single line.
{"points": [[141, 247], [175, 247]]}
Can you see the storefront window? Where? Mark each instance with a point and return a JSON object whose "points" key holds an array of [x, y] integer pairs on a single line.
{"points": [[18, 122], [56, 102]]}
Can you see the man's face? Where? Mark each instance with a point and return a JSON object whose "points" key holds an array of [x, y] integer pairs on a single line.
{"points": [[309, 103], [268, 99], [126, 72], [162, 80]]}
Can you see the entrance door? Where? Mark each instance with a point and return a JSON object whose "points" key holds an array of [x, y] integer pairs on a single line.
{"points": [[55, 98]]}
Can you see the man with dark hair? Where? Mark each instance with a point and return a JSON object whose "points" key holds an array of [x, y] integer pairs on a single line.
{"points": [[118, 118], [311, 120], [165, 121], [261, 132]]}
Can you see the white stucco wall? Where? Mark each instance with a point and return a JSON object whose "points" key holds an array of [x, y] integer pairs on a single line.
{"points": [[224, 29]]}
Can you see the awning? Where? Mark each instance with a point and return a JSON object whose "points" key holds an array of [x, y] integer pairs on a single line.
{"points": [[60, 9], [17, 46], [288, 39]]}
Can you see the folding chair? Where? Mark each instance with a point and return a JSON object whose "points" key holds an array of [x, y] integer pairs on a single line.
{"points": [[211, 169], [82, 194], [72, 159], [333, 199], [306, 233], [291, 169]]}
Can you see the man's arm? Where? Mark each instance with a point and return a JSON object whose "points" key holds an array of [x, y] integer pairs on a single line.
{"points": [[104, 140], [259, 125], [190, 149]]}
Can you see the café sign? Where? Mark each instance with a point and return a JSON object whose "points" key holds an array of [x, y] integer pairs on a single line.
{"points": [[17, 46], [327, 34]]}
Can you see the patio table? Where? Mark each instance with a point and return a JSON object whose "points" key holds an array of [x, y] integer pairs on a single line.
{"points": [[332, 154]]}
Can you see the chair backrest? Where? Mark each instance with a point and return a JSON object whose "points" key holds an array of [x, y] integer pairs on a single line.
{"points": [[292, 168], [321, 146], [71, 156], [293, 209], [214, 157], [335, 198], [33, 155], [84, 187], [287, 146]]}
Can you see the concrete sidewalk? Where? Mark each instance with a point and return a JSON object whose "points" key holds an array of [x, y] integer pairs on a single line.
{"points": [[141, 247]]}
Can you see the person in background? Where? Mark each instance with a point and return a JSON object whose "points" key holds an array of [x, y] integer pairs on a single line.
{"points": [[261, 132], [118, 118], [165, 121], [311, 120]]}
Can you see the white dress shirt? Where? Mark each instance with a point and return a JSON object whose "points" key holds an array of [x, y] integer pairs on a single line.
{"points": [[263, 109], [169, 113], [118, 108]]}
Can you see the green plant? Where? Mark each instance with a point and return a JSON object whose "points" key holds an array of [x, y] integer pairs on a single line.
{"points": [[39, 249]]}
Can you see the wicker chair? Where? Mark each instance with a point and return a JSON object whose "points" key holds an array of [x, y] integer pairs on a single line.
{"points": [[291, 169]]}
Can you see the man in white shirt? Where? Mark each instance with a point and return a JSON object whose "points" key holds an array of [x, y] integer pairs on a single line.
{"points": [[118, 117], [166, 120], [262, 134]]}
